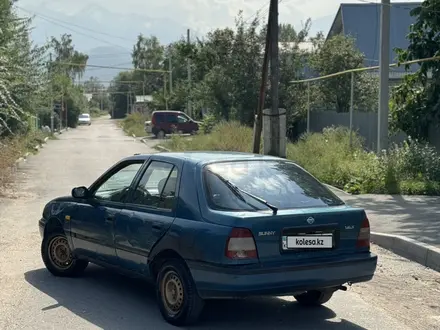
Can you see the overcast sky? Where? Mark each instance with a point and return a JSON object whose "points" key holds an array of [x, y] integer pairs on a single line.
{"points": [[200, 15], [95, 24]]}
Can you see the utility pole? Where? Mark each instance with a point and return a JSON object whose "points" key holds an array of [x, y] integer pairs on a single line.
{"points": [[189, 75], [128, 95], [62, 109], [170, 69], [384, 61], [258, 125], [274, 120], [165, 96], [51, 96]]}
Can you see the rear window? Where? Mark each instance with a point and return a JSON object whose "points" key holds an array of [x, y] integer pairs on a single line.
{"points": [[84, 116], [280, 183]]}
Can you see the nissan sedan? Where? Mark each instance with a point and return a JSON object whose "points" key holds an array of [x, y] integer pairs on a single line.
{"points": [[211, 225]]}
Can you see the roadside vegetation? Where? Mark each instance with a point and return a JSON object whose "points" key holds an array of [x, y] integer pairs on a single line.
{"points": [[134, 124], [29, 80], [412, 168]]}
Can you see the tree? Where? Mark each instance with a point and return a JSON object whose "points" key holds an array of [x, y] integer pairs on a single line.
{"points": [[148, 54], [22, 72], [339, 53], [415, 103], [121, 93], [71, 62], [93, 85]]}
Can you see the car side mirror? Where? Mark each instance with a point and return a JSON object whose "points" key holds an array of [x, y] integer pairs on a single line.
{"points": [[80, 192]]}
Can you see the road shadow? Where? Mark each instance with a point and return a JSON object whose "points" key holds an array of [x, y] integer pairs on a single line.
{"points": [[112, 301], [413, 216]]}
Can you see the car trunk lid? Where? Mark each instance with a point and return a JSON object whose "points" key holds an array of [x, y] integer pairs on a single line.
{"points": [[303, 234]]}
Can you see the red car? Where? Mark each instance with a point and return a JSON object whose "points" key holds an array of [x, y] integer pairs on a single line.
{"points": [[168, 122]]}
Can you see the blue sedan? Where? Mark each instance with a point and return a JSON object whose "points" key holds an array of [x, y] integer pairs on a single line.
{"points": [[211, 225]]}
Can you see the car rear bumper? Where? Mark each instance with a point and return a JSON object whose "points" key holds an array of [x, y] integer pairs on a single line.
{"points": [[220, 282]]}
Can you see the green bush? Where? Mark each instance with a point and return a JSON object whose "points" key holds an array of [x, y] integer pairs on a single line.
{"points": [[229, 136], [411, 168], [135, 124], [208, 124]]}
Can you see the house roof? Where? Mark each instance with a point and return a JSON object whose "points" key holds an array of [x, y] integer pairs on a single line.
{"points": [[362, 21]]}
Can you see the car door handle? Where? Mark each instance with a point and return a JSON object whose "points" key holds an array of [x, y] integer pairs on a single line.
{"points": [[157, 227], [109, 219]]}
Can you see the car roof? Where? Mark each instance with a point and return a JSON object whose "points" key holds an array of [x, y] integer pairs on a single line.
{"points": [[168, 112], [204, 157]]}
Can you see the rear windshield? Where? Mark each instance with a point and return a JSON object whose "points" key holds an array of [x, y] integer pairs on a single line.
{"points": [[281, 183], [84, 116]]}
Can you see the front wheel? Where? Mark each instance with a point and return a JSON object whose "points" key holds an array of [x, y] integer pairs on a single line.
{"points": [[58, 258], [313, 298], [178, 300]]}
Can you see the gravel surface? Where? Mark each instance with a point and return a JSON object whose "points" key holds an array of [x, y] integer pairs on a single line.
{"points": [[402, 296]]}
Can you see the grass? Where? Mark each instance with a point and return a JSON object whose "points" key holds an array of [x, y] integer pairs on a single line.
{"points": [[412, 169], [96, 113], [13, 148], [134, 124]]}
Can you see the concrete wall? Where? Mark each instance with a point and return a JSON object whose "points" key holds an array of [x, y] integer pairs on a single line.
{"points": [[365, 123]]}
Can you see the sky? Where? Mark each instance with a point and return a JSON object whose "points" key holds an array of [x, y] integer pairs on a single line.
{"points": [[199, 15], [111, 26]]}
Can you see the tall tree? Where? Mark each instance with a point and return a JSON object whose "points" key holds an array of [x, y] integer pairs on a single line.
{"points": [[22, 74], [148, 54], [340, 53], [70, 61], [415, 103], [121, 93]]}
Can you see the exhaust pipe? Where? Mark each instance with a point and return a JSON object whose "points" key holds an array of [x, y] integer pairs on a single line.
{"points": [[342, 288]]}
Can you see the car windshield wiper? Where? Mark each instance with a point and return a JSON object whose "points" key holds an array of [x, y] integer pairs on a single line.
{"points": [[238, 192]]}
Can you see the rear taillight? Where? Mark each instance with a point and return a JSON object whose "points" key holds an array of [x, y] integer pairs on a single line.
{"points": [[364, 234], [241, 244], [153, 121]]}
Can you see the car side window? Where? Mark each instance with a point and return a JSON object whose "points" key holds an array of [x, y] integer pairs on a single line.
{"points": [[172, 119], [116, 187], [157, 187], [181, 119], [159, 118]]}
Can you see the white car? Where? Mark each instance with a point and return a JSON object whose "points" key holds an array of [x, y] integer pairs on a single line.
{"points": [[84, 119]]}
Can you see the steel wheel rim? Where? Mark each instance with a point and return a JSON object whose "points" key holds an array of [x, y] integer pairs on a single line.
{"points": [[59, 253], [161, 135], [172, 292]]}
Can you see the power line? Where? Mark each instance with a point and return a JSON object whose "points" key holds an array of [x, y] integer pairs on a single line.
{"points": [[73, 30], [110, 67], [96, 69], [73, 24], [368, 68]]}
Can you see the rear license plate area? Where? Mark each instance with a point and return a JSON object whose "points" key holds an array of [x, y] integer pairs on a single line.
{"points": [[310, 238]]}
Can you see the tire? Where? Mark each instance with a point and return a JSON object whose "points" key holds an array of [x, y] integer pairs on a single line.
{"points": [[175, 275], [314, 298], [160, 134], [73, 267]]}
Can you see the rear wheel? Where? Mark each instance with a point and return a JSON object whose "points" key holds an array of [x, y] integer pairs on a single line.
{"points": [[314, 298], [161, 134], [178, 300], [58, 258]]}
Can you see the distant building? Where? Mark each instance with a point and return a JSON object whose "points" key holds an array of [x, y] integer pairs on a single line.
{"points": [[362, 21], [142, 103]]}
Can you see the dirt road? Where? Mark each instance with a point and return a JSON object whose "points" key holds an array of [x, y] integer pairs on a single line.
{"points": [[30, 298]]}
